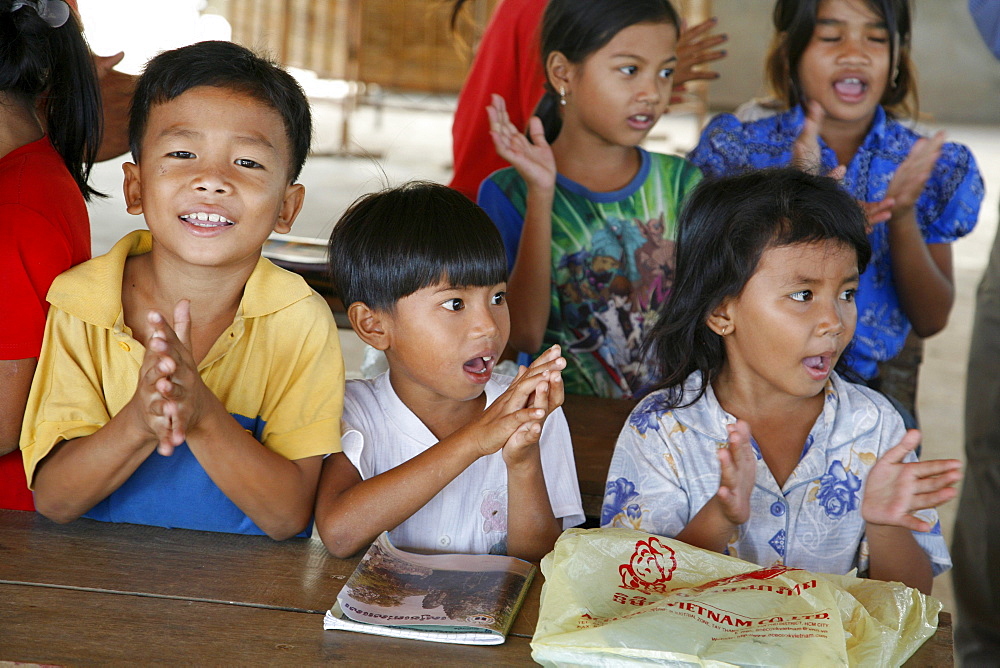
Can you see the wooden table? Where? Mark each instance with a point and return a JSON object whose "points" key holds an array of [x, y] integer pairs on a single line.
{"points": [[90, 592]]}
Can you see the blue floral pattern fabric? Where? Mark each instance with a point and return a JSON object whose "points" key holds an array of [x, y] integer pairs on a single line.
{"points": [[947, 209], [664, 470]]}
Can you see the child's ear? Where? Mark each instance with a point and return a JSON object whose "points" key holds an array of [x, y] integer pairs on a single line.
{"points": [[720, 320], [558, 69], [295, 195], [132, 188], [370, 325]]}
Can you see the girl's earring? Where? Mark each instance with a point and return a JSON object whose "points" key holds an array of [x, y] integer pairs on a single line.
{"points": [[562, 96], [725, 328]]}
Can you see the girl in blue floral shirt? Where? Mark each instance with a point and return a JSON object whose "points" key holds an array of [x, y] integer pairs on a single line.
{"points": [[754, 446], [842, 69]]}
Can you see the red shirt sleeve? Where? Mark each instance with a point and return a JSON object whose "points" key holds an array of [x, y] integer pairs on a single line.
{"points": [[507, 62]]}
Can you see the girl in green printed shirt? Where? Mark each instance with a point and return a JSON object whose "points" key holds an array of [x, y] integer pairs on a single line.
{"points": [[588, 217]]}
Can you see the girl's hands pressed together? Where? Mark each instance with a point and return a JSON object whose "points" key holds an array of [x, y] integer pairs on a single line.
{"points": [[533, 159], [894, 489], [737, 472]]}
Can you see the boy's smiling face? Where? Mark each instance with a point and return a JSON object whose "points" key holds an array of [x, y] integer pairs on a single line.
{"points": [[213, 178]]}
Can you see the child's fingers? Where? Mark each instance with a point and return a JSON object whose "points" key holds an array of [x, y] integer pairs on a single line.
{"points": [[934, 468], [727, 467], [182, 321], [549, 354], [557, 391], [838, 173], [540, 398], [526, 434], [690, 33], [536, 131], [934, 499], [906, 445], [913, 523]]}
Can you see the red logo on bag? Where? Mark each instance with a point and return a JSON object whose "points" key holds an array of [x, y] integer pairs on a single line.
{"points": [[651, 565]]}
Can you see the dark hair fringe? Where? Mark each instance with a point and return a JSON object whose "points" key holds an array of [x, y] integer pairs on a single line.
{"points": [[794, 23], [223, 65], [578, 28], [724, 228], [389, 244], [38, 61]]}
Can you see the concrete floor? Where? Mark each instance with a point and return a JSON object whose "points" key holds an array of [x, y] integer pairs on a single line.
{"points": [[416, 144]]}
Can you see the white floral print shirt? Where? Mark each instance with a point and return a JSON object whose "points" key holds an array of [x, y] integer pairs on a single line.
{"points": [[664, 470]]}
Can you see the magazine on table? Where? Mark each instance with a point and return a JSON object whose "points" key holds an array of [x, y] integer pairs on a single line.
{"points": [[468, 599]]}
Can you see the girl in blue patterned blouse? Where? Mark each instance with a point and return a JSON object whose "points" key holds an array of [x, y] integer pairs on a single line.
{"points": [[842, 68], [754, 446]]}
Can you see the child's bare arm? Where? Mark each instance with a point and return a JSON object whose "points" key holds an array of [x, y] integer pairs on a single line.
{"points": [[528, 286], [921, 272], [351, 512], [895, 556], [713, 525], [893, 491], [532, 529], [78, 474], [276, 493]]}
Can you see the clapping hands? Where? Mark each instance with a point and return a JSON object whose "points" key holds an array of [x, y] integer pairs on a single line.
{"points": [[896, 489]]}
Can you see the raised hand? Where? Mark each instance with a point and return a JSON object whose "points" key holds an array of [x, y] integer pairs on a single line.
{"points": [[738, 471], [533, 159], [877, 212], [806, 154], [911, 176], [894, 489], [696, 46]]}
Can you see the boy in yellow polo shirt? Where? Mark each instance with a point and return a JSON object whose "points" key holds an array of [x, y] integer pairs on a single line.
{"points": [[218, 420]]}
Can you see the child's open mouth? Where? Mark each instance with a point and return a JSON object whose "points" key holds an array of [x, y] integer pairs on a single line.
{"points": [[850, 89], [641, 121], [819, 366], [202, 219], [480, 367]]}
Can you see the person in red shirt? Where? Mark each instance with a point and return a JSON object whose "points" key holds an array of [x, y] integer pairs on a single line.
{"points": [[508, 63], [44, 227]]}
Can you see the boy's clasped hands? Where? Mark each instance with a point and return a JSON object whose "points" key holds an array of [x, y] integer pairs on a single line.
{"points": [[514, 421], [169, 382]]}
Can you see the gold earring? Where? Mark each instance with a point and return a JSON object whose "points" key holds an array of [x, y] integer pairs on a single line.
{"points": [[725, 328], [562, 96]]}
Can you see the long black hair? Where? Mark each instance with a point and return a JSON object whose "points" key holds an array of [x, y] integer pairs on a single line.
{"points": [[794, 23], [578, 28], [725, 227], [38, 61]]}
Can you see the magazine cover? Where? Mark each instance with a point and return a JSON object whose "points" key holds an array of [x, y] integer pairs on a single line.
{"points": [[457, 598]]}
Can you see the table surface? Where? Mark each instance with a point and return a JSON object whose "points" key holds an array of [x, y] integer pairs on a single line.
{"points": [[90, 592]]}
